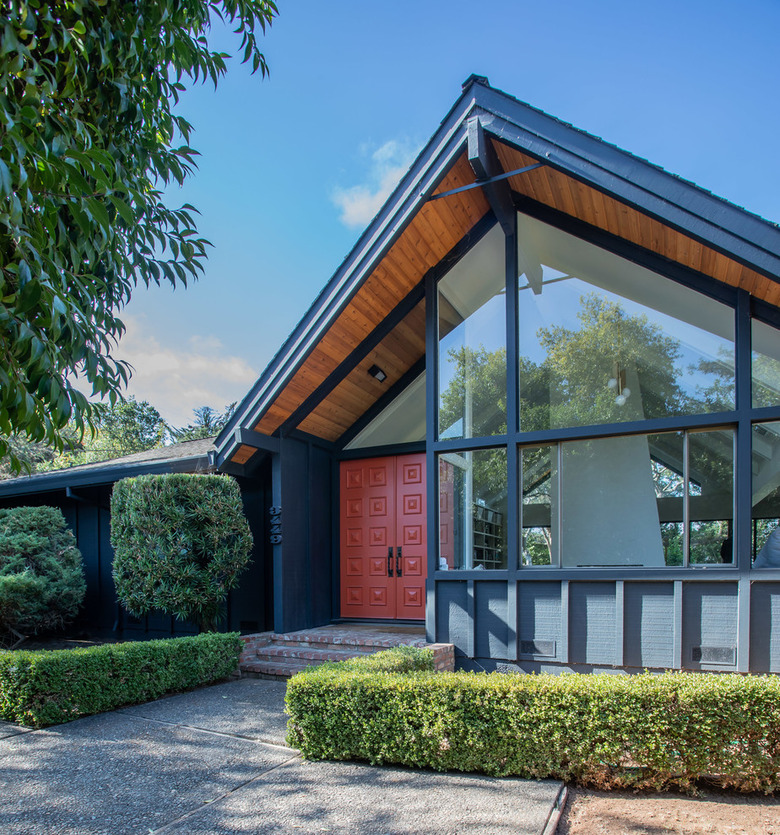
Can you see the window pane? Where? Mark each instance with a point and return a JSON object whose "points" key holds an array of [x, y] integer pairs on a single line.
{"points": [[766, 495], [711, 496], [472, 509], [609, 510], [667, 456], [539, 474], [472, 342], [400, 422], [766, 365], [603, 340]]}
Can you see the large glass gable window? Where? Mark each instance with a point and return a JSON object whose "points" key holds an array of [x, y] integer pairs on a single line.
{"points": [[602, 340], [623, 443]]}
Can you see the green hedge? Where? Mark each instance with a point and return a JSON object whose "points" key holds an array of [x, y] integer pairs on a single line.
{"points": [[609, 731], [40, 688]]}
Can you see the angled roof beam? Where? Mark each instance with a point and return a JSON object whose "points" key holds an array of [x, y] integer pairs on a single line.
{"points": [[487, 169], [505, 176], [231, 468], [357, 355], [248, 437]]}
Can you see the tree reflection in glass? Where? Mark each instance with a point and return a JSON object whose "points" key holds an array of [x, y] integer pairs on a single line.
{"points": [[602, 340]]}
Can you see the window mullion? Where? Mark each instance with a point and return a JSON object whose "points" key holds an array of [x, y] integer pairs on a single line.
{"points": [[686, 499]]}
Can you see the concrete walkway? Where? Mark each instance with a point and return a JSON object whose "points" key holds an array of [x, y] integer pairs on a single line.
{"points": [[214, 761]]}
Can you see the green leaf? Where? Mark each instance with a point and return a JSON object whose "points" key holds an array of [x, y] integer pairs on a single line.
{"points": [[124, 210], [5, 179]]}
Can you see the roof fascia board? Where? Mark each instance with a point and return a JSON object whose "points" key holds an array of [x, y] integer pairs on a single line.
{"points": [[60, 479], [734, 231], [414, 189]]}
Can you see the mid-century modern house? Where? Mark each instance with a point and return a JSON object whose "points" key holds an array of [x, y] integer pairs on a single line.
{"points": [[536, 409]]}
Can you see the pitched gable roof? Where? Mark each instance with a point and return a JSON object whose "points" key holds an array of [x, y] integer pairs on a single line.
{"points": [[581, 177]]}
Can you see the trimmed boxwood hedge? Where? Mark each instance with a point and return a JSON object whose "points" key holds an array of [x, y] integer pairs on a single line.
{"points": [[48, 687], [609, 731]]}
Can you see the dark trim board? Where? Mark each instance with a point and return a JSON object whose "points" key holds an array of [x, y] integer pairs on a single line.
{"points": [[766, 313], [389, 622], [380, 451], [604, 430], [248, 437], [354, 358], [60, 479]]}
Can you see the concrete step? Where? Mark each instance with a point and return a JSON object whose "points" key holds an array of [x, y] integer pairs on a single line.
{"points": [[281, 655]]}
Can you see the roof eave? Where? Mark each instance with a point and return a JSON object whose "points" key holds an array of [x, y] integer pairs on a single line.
{"points": [[678, 203], [60, 479], [413, 191]]}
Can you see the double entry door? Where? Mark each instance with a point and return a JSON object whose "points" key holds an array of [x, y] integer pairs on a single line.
{"points": [[383, 525]]}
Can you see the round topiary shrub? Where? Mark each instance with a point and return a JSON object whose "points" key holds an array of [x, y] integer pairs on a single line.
{"points": [[180, 543], [42, 581]]}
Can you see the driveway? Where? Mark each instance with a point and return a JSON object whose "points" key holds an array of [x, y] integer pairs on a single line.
{"points": [[214, 761]]}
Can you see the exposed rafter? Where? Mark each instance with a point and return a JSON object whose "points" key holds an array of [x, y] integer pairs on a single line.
{"points": [[248, 437]]}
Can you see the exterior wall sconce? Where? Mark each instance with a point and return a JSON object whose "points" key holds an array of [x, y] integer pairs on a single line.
{"points": [[376, 372]]}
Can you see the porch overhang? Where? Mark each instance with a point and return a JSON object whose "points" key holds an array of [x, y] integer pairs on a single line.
{"points": [[371, 311]]}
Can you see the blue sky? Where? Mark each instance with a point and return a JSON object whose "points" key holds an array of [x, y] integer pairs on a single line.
{"points": [[293, 166]]}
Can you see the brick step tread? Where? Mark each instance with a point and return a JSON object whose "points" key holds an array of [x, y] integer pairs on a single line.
{"points": [[310, 640], [275, 653], [274, 668]]}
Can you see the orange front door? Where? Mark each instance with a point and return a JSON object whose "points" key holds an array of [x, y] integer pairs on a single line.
{"points": [[383, 554]]}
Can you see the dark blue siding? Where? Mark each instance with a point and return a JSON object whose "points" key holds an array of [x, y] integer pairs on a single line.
{"points": [[649, 625]]}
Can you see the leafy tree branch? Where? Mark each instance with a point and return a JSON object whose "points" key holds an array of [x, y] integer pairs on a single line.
{"points": [[88, 138]]}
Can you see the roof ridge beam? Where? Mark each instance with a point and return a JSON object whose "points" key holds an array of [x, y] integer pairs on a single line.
{"points": [[487, 169]]}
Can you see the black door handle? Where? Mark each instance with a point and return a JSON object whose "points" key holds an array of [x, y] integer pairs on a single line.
{"points": [[389, 562], [398, 557]]}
